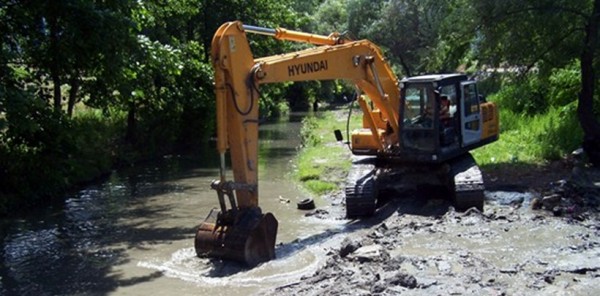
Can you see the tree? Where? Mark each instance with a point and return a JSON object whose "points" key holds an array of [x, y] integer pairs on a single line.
{"points": [[409, 30], [168, 76], [546, 35], [331, 16], [68, 41], [362, 14]]}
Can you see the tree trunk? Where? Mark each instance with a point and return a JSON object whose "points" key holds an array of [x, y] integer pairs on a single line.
{"points": [[57, 94], [131, 124], [405, 66], [75, 82], [55, 57], [585, 109]]}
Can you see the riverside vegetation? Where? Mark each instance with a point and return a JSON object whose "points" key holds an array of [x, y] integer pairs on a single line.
{"points": [[530, 138], [87, 86]]}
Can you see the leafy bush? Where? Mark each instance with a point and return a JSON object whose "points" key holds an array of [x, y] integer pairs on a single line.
{"points": [[533, 138], [561, 132], [309, 137], [42, 152], [525, 95], [564, 85]]}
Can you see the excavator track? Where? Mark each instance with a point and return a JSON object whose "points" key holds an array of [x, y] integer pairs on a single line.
{"points": [[467, 182], [360, 191]]}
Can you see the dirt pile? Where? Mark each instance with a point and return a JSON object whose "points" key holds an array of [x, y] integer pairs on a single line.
{"points": [[424, 247]]}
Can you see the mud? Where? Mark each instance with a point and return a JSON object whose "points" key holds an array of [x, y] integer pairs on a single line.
{"points": [[418, 246], [133, 235]]}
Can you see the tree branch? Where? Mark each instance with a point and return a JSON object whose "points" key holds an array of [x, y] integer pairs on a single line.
{"points": [[550, 48], [546, 8]]}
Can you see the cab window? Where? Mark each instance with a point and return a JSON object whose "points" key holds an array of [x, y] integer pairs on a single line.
{"points": [[418, 108]]}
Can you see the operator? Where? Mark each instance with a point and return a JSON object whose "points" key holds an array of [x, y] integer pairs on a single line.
{"points": [[445, 110]]}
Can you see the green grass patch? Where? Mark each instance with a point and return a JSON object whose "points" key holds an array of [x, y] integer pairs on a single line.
{"points": [[533, 139], [319, 186], [323, 163]]}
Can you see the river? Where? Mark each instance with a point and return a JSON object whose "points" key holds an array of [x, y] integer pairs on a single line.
{"points": [[133, 233]]}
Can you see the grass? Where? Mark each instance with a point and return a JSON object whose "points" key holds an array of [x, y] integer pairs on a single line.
{"points": [[323, 163], [532, 139]]}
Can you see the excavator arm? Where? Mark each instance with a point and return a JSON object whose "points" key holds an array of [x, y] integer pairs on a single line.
{"points": [[242, 232]]}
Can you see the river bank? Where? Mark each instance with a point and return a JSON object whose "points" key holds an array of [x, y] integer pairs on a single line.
{"points": [[419, 246], [538, 234]]}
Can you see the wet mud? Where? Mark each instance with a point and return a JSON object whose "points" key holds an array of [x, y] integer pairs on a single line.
{"points": [[133, 235], [523, 243]]}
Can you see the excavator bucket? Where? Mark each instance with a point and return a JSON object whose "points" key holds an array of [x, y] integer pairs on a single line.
{"points": [[243, 235]]}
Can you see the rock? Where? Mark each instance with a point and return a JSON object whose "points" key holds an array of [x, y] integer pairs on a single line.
{"points": [[444, 267], [319, 213], [349, 246], [382, 227], [394, 264], [578, 156], [551, 201], [472, 212], [379, 287], [536, 204], [368, 253], [509, 270], [375, 234], [557, 211], [403, 279], [560, 186]]}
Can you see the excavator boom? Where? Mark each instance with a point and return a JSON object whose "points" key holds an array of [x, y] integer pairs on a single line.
{"points": [[403, 131], [290, 35], [228, 232]]}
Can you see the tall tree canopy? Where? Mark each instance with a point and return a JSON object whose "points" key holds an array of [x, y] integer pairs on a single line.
{"points": [[144, 67]]}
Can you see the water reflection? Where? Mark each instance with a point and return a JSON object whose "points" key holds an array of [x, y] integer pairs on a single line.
{"points": [[106, 237]]}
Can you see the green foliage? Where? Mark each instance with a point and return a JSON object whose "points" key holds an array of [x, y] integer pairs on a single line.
{"points": [[42, 152], [546, 37], [138, 75], [331, 16], [533, 94], [564, 85], [307, 132], [320, 187], [489, 83], [546, 34], [527, 95], [533, 138], [136, 65]]}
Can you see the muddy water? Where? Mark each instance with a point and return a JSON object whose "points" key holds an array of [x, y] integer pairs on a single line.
{"points": [[133, 234]]}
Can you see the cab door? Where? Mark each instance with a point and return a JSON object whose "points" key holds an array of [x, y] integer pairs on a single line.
{"points": [[470, 115]]}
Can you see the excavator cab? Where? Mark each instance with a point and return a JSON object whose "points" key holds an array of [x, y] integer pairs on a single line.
{"points": [[442, 118]]}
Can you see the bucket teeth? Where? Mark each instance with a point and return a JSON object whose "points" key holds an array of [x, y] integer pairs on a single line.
{"points": [[248, 236]]}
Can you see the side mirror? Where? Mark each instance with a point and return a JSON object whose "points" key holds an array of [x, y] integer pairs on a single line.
{"points": [[338, 135]]}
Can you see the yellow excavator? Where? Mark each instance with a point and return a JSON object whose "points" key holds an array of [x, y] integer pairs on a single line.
{"points": [[415, 132]]}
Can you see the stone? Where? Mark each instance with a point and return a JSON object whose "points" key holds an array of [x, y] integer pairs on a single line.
{"points": [[348, 247], [403, 279], [368, 253], [551, 201], [557, 211]]}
